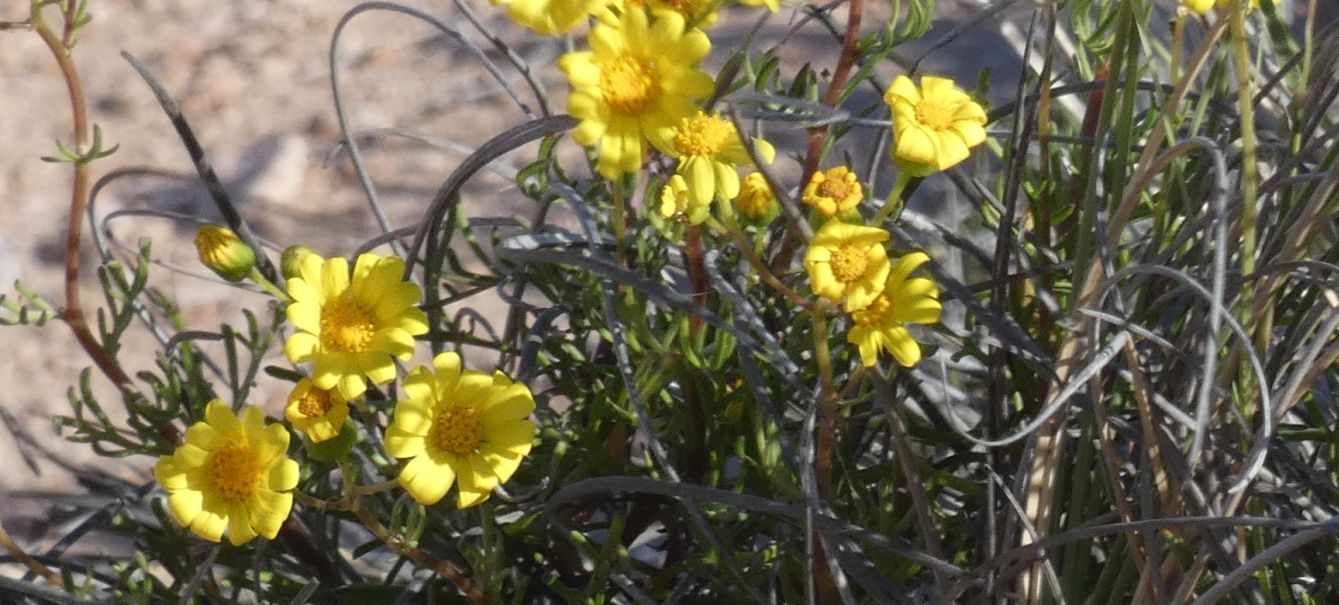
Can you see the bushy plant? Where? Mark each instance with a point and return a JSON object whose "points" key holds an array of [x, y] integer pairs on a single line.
{"points": [[761, 366]]}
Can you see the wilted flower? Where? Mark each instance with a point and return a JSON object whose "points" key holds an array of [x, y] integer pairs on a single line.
{"points": [[833, 191]]}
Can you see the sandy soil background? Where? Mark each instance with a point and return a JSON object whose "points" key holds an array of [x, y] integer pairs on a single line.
{"points": [[254, 81]]}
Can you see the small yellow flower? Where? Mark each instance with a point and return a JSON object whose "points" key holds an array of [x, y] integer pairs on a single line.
{"points": [[459, 426], [351, 328], [634, 85], [676, 203], [755, 201], [833, 191], [1202, 6], [772, 5], [550, 17], [708, 149], [934, 126], [882, 324], [699, 13], [231, 473], [318, 412], [224, 253], [847, 262]]}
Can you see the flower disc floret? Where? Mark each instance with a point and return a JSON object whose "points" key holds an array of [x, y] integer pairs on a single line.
{"points": [[318, 412], [353, 327], [231, 474], [935, 125], [637, 82], [881, 326], [833, 191], [459, 427], [847, 263]]}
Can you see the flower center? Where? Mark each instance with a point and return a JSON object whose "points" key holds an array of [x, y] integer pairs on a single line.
{"points": [[702, 135], [628, 83], [849, 263], [346, 326], [934, 114], [315, 403], [835, 188], [234, 472], [458, 431], [873, 314]]}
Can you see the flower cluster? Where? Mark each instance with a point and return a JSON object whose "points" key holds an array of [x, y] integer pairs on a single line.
{"points": [[231, 474]]}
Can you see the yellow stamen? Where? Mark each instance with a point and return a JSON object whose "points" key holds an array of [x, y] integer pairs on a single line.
{"points": [[234, 471], [458, 431], [628, 83], [873, 314], [935, 114], [315, 403], [836, 188], [849, 263], [702, 135], [346, 326]]}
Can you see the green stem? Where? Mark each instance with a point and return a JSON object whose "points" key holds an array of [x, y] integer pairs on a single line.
{"points": [[894, 202], [269, 286]]}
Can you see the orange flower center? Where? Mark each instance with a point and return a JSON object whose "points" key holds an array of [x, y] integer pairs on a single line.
{"points": [[836, 187], [849, 263], [875, 313], [628, 83], [934, 114], [458, 431], [702, 135], [346, 326], [234, 472], [315, 403]]}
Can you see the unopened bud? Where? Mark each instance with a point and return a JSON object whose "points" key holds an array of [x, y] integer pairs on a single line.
{"points": [[224, 253], [290, 263]]}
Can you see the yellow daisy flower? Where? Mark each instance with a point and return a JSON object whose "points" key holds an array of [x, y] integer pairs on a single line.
{"points": [[318, 412], [634, 85], [847, 262], [934, 126], [231, 473], [833, 191], [882, 324], [459, 426], [351, 328], [550, 17], [755, 201], [708, 149]]}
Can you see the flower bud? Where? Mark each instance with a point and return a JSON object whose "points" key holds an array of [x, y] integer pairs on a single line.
{"points": [[224, 253], [755, 201], [290, 263]]}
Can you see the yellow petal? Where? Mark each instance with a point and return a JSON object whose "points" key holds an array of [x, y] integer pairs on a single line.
{"points": [[185, 506]]}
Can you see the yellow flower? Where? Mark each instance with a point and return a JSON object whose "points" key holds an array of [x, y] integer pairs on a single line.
{"points": [[676, 203], [833, 191], [1202, 6], [708, 149], [772, 5], [231, 473], [847, 262], [353, 327], [318, 412], [934, 126], [459, 426], [882, 324], [634, 85], [700, 13], [224, 253], [550, 17], [755, 201]]}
